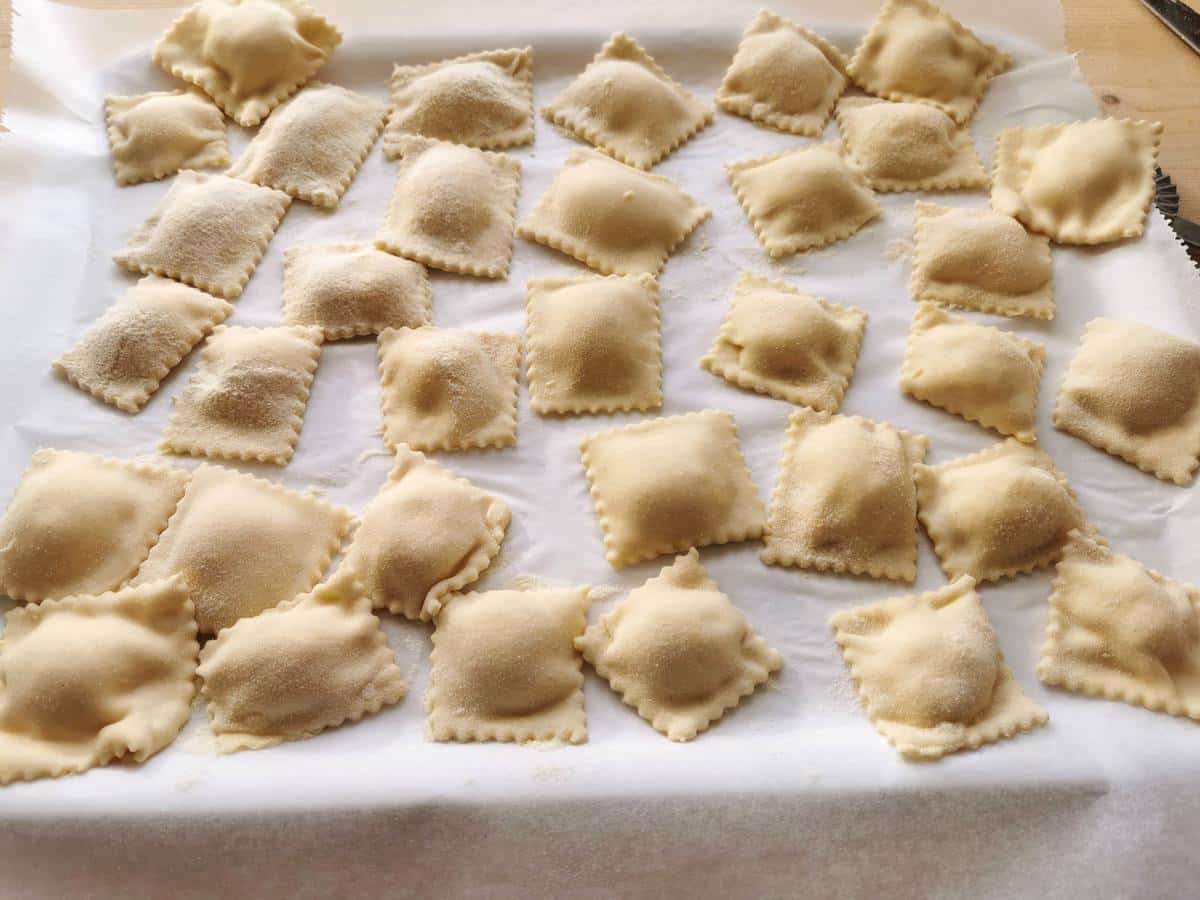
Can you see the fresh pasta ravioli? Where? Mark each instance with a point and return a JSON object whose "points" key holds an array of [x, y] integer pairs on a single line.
{"points": [[156, 134]]}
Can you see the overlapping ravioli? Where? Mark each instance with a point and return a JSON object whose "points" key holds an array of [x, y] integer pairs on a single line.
{"points": [[453, 207], [82, 524], [86, 680], [156, 134], [348, 290], [483, 99], [802, 199], [209, 231], [594, 344], [1083, 183], [975, 371], [929, 672], [248, 55], [678, 651], [449, 389], [138, 340], [915, 51], [504, 667], [244, 544], [247, 398], [667, 485], [427, 534], [845, 500], [779, 341], [982, 260], [625, 104], [310, 664], [1134, 391], [997, 513], [613, 218], [314, 144], [784, 76], [1123, 632]]}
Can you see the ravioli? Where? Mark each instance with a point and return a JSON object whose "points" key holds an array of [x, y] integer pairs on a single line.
{"points": [[156, 134]]}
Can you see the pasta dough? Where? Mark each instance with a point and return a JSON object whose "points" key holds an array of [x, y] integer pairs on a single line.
{"points": [[784, 76], [156, 134], [248, 55], [1001, 512], [483, 99], [453, 207], [845, 501], [982, 260], [314, 144], [449, 389], [782, 342], [930, 674], [1134, 391], [244, 545], [678, 651], [612, 218], [625, 104], [1083, 183], [86, 680], [915, 51], [209, 231], [247, 398], [802, 199], [427, 534], [667, 485], [504, 667], [129, 350], [310, 664], [1123, 632], [594, 344], [978, 372], [82, 524], [348, 290]]}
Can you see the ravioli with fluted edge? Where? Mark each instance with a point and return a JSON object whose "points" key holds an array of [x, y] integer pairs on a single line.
{"points": [[156, 134]]}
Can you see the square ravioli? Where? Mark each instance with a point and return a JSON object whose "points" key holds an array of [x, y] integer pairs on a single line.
{"points": [[908, 146], [915, 51], [313, 663], [612, 218], [667, 485], [982, 260], [504, 667], [453, 208], [484, 100], [781, 342], [1082, 183], [248, 55], [802, 199], [348, 290], [209, 231], [156, 134], [449, 389], [82, 524], [1121, 631], [1134, 391], [975, 371], [625, 104], [427, 534], [595, 344], [244, 544], [87, 680], [784, 76], [313, 145], [716, 658], [247, 398], [845, 501], [997, 513], [929, 672], [130, 349]]}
